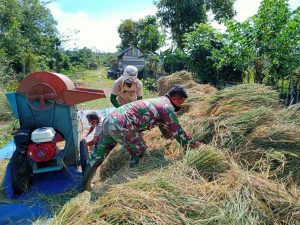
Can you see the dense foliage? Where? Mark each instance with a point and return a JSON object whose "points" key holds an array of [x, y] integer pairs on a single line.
{"points": [[144, 33], [201, 47], [173, 60], [30, 41], [267, 43], [179, 15], [264, 49], [28, 35]]}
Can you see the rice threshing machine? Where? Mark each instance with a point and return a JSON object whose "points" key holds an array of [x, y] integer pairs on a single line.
{"points": [[49, 134]]}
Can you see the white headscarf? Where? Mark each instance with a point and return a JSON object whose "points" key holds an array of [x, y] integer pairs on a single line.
{"points": [[130, 73]]}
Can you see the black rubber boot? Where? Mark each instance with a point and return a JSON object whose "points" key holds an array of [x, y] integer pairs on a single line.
{"points": [[88, 176]]}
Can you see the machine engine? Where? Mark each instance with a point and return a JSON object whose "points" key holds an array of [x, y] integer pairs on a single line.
{"points": [[43, 147]]}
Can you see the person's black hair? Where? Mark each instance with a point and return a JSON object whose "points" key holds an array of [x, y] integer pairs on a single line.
{"points": [[92, 116], [178, 91]]}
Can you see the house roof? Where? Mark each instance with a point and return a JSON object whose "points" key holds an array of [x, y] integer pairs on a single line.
{"points": [[125, 50]]}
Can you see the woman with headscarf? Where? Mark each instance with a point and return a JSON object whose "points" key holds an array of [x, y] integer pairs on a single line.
{"points": [[127, 88]]}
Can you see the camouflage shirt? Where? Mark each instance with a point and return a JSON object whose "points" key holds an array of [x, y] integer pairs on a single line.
{"points": [[145, 114]]}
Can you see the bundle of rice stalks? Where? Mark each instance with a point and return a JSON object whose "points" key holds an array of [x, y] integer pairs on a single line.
{"points": [[207, 160], [266, 136], [234, 113], [281, 139], [290, 114], [74, 211], [250, 120], [161, 197], [229, 131], [269, 201], [242, 98], [184, 79], [178, 195], [200, 128], [179, 78], [232, 131]]}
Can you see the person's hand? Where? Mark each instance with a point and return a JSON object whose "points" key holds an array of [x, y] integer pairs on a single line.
{"points": [[195, 144]]}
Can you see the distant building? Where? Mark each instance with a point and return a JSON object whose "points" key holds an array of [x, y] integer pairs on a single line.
{"points": [[131, 56]]}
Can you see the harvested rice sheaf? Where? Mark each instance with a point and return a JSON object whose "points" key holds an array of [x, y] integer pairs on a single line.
{"points": [[281, 138], [231, 131], [179, 195], [243, 97], [235, 112], [207, 160], [184, 79], [250, 120]]}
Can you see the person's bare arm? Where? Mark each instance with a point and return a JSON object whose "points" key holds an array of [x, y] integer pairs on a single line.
{"points": [[88, 133], [93, 141]]}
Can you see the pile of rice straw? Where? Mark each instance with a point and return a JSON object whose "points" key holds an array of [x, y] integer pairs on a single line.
{"points": [[246, 173]]}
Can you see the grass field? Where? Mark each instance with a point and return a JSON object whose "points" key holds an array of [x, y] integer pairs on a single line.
{"points": [[96, 79]]}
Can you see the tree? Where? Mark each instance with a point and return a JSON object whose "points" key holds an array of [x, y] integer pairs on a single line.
{"points": [[173, 60], [201, 48], [180, 15], [269, 27], [143, 33], [267, 43], [149, 35], [237, 50], [128, 32], [28, 34]]}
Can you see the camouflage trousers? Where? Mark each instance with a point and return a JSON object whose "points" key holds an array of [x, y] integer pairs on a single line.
{"points": [[111, 134]]}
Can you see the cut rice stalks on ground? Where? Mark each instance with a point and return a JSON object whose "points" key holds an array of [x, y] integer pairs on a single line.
{"points": [[180, 195], [246, 173]]}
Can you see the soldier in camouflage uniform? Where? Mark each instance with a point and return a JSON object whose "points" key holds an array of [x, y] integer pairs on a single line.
{"points": [[125, 125]]}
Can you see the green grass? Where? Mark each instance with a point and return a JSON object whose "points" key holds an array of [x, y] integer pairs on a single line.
{"points": [[149, 94], [6, 129], [96, 79], [5, 110]]}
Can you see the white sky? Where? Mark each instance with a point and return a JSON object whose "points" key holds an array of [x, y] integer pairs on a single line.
{"points": [[100, 31]]}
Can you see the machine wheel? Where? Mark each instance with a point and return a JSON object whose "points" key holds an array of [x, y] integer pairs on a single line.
{"points": [[21, 173], [83, 155], [41, 96]]}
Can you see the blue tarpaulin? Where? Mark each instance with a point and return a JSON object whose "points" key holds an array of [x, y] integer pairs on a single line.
{"points": [[21, 214], [44, 183], [7, 151]]}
